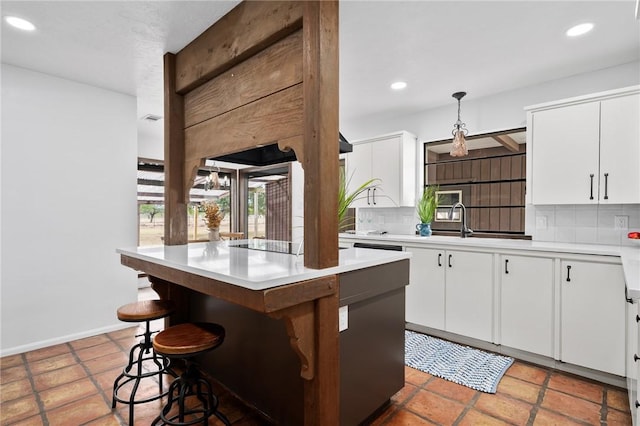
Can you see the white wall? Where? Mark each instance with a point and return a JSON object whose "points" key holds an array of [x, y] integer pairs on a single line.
{"points": [[496, 112], [581, 224], [68, 191]]}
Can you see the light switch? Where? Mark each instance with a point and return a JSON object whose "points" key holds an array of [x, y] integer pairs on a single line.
{"points": [[343, 318]]}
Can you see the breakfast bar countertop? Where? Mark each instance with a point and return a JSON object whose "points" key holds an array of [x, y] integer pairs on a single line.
{"points": [[254, 269]]}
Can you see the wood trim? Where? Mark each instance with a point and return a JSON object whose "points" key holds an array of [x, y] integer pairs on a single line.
{"points": [[247, 29], [175, 196], [321, 395], [277, 67], [507, 141], [265, 301], [263, 122], [320, 81]]}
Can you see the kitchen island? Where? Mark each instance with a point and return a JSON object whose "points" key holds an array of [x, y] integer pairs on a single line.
{"points": [[284, 352]]}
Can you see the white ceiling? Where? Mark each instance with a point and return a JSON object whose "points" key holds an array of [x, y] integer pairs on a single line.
{"points": [[437, 47]]}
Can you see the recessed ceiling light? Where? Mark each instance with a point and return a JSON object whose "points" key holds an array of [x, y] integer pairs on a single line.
{"points": [[398, 85], [580, 29], [19, 23]]}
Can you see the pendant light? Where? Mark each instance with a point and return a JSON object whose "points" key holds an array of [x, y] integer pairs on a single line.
{"points": [[459, 146], [213, 180]]}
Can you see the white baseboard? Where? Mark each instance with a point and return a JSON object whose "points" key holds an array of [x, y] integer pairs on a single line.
{"points": [[63, 339]]}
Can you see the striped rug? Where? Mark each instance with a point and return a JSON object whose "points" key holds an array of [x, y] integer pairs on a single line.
{"points": [[466, 366]]}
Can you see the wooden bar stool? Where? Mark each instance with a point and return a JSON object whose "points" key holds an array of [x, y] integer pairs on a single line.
{"points": [[184, 341], [154, 365]]}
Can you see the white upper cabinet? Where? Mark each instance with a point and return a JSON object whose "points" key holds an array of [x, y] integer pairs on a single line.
{"points": [[585, 150], [391, 159], [620, 150]]}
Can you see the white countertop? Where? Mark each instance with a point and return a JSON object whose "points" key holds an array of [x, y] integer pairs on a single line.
{"points": [[629, 255], [254, 269]]}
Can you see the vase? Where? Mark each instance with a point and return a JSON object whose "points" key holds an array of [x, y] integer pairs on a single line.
{"points": [[214, 234], [424, 229]]}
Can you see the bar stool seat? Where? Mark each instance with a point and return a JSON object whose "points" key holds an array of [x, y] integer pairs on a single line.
{"points": [[146, 362], [184, 341]]}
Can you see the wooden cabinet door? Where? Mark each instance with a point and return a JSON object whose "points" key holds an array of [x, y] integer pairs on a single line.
{"points": [[565, 155], [620, 150], [358, 171], [469, 294], [526, 307], [425, 292], [592, 315]]}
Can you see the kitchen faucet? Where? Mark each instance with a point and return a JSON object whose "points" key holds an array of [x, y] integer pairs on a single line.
{"points": [[464, 231]]}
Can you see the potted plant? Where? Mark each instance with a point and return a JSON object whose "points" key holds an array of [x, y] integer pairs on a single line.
{"points": [[345, 199], [426, 208], [213, 216]]}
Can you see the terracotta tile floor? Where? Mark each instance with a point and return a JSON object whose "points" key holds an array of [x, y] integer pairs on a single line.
{"points": [[70, 384]]}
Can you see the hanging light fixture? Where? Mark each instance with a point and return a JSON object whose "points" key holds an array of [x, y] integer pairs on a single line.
{"points": [[213, 180], [459, 146]]}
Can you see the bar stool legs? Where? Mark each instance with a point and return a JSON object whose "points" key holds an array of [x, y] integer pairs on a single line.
{"points": [[160, 367], [144, 362], [185, 341], [183, 387]]}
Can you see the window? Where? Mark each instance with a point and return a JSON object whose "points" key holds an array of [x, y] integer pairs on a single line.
{"points": [[490, 181], [151, 202], [268, 203]]}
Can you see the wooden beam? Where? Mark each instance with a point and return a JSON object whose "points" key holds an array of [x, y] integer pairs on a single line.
{"points": [[247, 29], [262, 122], [320, 81], [277, 67], [175, 197], [508, 142]]}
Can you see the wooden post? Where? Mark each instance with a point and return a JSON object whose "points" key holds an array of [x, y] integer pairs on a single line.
{"points": [[175, 198], [320, 88]]}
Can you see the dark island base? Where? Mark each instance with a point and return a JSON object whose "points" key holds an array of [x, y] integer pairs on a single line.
{"points": [[256, 361]]}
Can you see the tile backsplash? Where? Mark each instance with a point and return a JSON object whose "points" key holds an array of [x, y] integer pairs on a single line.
{"points": [[394, 220], [587, 224]]}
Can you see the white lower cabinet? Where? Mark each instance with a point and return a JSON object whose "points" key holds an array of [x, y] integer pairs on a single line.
{"points": [[425, 292], [469, 294], [452, 291], [526, 303], [592, 315]]}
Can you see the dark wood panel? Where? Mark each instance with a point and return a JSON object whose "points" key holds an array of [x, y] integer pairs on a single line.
{"points": [[320, 163], [265, 121], [517, 213], [275, 68], [505, 219], [485, 169], [505, 168], [246, 30], [495, 169], [175, 195], [484, 219], [494, 194], [516, 168], [505, 194]]}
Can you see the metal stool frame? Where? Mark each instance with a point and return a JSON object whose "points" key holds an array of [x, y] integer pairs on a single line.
{"points": [[163, 364]]}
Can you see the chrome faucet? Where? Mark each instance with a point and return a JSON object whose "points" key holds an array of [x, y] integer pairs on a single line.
{"points": [[464, 231]]}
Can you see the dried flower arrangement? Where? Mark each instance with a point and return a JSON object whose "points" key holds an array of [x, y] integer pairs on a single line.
{"points": [[213, 215]]}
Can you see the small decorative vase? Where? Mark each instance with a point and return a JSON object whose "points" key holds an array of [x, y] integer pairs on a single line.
{"points": [[424, 229], [214, 234]]}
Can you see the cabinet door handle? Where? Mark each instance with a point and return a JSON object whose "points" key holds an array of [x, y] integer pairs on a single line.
{"points": [[506, 266], [637, 318], [450, 256], [606, 186], [637, 404], [568, 273], [374, 196], [591, 196], [368, 192], [439, 259], [636, 357]]}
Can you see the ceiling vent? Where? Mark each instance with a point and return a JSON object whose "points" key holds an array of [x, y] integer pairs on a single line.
{"points": [[152, 117]]}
